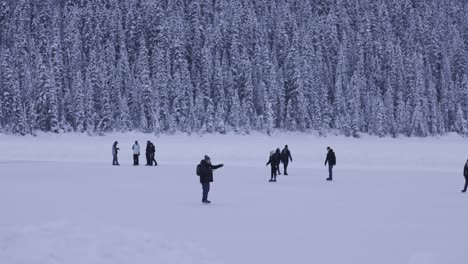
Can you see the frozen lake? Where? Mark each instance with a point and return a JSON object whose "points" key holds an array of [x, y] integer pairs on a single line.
{"points": [[391, 201]]}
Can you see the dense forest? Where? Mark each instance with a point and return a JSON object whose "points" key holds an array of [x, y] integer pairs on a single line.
{"points": [[381, 67]]}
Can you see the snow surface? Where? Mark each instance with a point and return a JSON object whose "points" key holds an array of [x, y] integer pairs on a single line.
{"points": [[392, 201]]}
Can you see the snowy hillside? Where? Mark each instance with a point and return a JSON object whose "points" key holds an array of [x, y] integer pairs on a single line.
{"points": [[391, 201]]}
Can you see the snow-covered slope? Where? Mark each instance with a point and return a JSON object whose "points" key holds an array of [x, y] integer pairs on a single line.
{"points": [[392, 201]]}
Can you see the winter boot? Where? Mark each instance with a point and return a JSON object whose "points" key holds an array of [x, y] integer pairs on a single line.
{"points": [[329, 179]]}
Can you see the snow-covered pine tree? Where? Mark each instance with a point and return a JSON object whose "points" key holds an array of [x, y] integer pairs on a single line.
{"points": [[58, 70], [46, 104], [219, 97], [294, 87], [147, 95], [208, 122], [79, 104], [268, 116], [461, 125], [340, 113], [418, 120]]}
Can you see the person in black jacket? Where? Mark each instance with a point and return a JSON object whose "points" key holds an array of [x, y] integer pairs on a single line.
{"points": [[115, 151], [274, 161], [205, 171], [465, 173], [285, 158], [331, 160], [152, 152], [148, 154]]}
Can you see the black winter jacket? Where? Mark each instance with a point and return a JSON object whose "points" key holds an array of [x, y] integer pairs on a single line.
{"points": [[274, 159], [331, 158], [206, 171], [148, 148], [286, 155], [115, 149], [465, 171]]}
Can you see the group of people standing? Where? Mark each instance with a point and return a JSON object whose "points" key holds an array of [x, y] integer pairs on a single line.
{"points": [[277, 157], [205, 168], [150, 154], [284, 156]]}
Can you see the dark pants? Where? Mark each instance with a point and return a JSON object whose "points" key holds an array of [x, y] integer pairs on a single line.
{"points": [[152, 159], [278, 169], [206, 189], [330, 171], [135, 159], [285, 166], [274, 169], [466, 184], [148, 159], [115, 161]]}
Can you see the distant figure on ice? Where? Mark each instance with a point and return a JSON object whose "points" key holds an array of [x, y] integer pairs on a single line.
{"points": [[148, 153], [205, 171], [136, 153], [465, 173], [285, 158], [115, 151], [331, 160], [152, 152], [274, 161]]}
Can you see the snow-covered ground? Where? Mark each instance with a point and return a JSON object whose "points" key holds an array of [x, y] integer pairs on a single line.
{"points": [[393, 201]]}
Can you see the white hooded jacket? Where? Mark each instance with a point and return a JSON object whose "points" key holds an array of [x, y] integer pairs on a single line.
{"points": [[136, 149]]}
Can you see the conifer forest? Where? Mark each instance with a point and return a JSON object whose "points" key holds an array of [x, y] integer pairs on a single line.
{"points": [[350, 67]]}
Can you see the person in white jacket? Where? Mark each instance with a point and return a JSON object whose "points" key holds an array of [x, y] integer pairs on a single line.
{"points": [[136, 153]]}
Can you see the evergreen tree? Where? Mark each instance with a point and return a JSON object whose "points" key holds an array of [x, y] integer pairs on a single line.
{"points": [[147, 100], [460, 123], [46, 105], [79, 104], [418, 120]]}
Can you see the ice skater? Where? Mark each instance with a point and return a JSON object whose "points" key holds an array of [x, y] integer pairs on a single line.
{"points": [[331, 160], [274, 161], [465, 173], [285, 158], [136, 153], [205, 171], [115, 151]]}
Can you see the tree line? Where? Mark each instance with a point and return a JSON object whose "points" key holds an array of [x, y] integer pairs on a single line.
{"points": [[381, 67]]}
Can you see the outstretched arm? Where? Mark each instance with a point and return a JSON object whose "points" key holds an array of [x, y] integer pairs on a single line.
{"points": [[290, 157], [214, 167]]}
